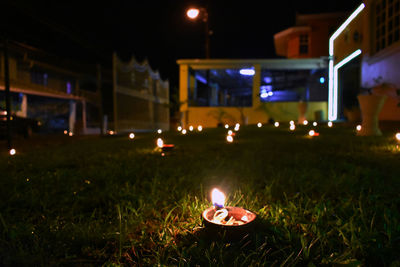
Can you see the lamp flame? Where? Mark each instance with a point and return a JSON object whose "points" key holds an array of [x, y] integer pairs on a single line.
{"points": [[160, 143], [218, 198]]}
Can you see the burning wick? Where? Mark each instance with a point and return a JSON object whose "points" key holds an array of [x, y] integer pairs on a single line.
{"points": [[217, 198], [221, 215]]}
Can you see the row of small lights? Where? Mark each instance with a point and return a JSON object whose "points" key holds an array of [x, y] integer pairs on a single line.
{"points": [[230, 134]]}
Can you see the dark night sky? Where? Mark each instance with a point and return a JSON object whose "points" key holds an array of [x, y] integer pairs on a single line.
{"points": [[89, 31]]}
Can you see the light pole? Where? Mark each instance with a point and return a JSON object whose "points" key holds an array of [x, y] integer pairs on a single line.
{"points": [[195, 13]]}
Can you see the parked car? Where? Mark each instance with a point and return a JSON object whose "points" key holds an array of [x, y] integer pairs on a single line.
{"points": [[19, 125]]}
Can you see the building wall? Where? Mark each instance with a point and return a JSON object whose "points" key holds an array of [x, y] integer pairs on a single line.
{"points": [[279, 111]]}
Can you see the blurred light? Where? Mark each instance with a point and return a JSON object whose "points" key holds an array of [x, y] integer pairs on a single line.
{"points": [[358, 128], [259, 125], [199, 128], [230, 132], [333, 97], [193, 13], [315, 123], [247, 72], [398, 136], [229, 138], [330, 124], [131, 135], [191, 128], [226, 126], [179, 128], [160, 143], [217, 198], [270, 93], [332, 87], [311, 133], [184, 131], [267, 79], [291, 122], [12, 152], [292, 127], [322, 80], [264, 95], [71, 133], [305, 122], [111, 132], [276, 124], [159, 131], [65, 132]]}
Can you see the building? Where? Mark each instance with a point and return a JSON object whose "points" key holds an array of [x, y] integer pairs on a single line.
{"points": [[222, 91], [365, 52], [63, 95], [309, 37], [214, 91], [140, 97]]}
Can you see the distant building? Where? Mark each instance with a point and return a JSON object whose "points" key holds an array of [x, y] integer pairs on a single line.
{"points": [[62, 95], [219, 91], [140, 97], [227, 91], [365, 51], [309, 37]]}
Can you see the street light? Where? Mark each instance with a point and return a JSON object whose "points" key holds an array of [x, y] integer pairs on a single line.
{"points": [[195, 13]]}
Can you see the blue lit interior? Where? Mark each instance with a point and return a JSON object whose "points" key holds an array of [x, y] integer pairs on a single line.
{"points": [[220, 87], [293, 85]]}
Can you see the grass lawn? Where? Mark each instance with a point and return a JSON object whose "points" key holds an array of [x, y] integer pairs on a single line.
{"points": [[332, 199]]}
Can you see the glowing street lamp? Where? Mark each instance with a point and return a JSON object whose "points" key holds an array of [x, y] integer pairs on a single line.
{"points": [[195, 13]]}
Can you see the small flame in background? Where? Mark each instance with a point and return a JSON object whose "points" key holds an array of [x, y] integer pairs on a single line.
{"points": [[12, 152], [217, 198], [160, 143]]}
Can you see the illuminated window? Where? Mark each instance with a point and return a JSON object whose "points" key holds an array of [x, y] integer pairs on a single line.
{"points": [[387, 23], [303, 44], [221, 87], [282, 85]]}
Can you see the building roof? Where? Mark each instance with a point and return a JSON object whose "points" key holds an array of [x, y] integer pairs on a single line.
{"points": [[305, 63]]}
